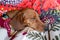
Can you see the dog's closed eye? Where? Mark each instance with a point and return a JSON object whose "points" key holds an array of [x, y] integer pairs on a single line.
{"points": [[33, 18]]}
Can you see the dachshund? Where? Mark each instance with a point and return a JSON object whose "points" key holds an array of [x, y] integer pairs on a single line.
{"points": [[26, 17]]}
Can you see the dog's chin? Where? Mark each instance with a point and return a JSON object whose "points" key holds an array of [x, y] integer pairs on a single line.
{"points": [[37, 28]]}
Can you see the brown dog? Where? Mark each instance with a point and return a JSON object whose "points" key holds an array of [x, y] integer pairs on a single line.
{"points": [[26, 17]]}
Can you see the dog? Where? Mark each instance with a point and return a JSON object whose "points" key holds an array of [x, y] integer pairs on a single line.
{"points": [[20, 19], [25, 17]]}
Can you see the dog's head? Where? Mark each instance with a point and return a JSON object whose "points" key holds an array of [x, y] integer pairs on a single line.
{"points": [[27, 17]]}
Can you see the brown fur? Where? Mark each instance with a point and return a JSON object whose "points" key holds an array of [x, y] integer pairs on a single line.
{"points": [[26, 17]]}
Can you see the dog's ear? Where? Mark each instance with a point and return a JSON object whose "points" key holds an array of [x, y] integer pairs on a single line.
{"points": [[17, 22], [11, 13]]}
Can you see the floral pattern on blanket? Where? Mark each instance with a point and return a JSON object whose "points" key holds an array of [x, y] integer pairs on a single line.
{"points": [[52, 20]]}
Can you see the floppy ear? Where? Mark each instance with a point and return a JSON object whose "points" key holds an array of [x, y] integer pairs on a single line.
{"points": [[17, 22], [12, 13]]}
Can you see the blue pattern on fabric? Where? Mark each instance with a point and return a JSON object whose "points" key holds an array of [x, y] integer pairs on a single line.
{"points": [[12, 2]]}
